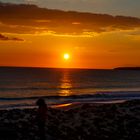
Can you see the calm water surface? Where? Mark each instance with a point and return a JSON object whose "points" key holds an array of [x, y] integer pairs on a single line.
{"points": [[21, 87]]}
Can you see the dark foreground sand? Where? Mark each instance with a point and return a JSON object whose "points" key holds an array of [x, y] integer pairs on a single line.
{"points": [[79, 122]]}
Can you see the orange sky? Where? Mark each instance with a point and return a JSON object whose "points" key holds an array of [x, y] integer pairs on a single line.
{"points": [[41, 41]]}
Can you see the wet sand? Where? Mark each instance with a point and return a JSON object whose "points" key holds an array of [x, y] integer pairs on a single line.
{"points": [[86, 121]]}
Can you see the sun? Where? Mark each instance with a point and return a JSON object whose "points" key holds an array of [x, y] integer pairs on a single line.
{"points": [[66, 56]]}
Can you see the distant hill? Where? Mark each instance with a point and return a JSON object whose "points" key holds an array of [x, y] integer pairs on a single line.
{"points": [[127, 68]]}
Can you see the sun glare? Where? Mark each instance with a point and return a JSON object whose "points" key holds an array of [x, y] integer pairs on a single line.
{"points": [[66, 56]]}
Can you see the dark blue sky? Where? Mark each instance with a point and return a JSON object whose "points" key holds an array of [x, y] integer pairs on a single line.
{"points": [[114, 7]]}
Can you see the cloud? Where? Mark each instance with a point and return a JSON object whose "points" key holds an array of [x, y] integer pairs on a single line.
{"points": [[5, 38], [27, 19]]}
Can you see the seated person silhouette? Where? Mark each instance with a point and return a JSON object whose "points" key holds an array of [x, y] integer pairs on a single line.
{"points": [[41, 117]]}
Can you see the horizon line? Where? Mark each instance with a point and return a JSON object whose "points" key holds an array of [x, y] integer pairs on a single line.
{"points": [[39, 67], [43, 67]]}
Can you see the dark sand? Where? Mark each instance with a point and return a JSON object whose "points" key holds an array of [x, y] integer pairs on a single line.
{"points": [[119, 121]]}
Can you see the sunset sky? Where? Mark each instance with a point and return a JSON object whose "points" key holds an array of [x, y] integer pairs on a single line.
{"points": [[39, 36]]}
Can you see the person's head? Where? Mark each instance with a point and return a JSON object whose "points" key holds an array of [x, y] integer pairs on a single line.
{"points": [[40, 102]]}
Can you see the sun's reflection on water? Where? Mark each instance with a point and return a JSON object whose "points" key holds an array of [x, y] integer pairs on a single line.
{"points": [[61, 105], [65, 84]]}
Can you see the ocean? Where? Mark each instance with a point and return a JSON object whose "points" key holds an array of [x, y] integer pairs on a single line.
{"points": [[21, 87]]}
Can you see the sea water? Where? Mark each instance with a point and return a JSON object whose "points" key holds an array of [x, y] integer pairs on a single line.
{"points": [[21, 87]]}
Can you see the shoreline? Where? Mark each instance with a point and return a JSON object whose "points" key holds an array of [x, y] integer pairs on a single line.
{"points": [[67, 104]]}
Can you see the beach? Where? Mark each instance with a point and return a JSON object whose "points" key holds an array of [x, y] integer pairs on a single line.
{"points": [[81, 121]]}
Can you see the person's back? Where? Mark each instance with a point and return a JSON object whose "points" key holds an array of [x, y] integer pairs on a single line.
{"points": [[42, 113], [41, 117]]}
